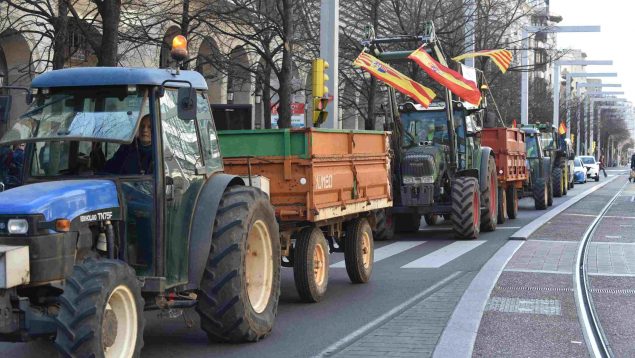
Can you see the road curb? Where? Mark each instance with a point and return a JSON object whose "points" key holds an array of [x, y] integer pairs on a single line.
{"points": [[459, 335], [530, 228]]}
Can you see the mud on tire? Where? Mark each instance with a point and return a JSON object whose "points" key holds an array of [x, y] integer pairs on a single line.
{"points": [[245, 247], [465, 208], [101, 306]]}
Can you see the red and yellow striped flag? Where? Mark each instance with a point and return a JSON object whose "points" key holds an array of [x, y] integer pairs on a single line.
{"points": [[562, 129], [502, 58], [402, 83], [451, 79]]}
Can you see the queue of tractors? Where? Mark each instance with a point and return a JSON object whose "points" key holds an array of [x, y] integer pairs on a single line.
{"points": [[107, 224]]}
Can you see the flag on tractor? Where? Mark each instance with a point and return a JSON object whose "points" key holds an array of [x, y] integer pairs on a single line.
{"points": [[501, 57], [402, 83], [562, 129], [451, 79]]}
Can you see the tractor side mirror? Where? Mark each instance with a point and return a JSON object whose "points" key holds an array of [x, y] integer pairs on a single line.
{"points": [[187, 103]]}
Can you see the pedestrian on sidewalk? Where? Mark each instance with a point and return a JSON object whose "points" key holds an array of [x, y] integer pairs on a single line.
{"points": [[632, 176], [602, 160]]}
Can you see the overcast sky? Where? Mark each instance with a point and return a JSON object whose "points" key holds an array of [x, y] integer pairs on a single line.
{"points": [[615, 42]]}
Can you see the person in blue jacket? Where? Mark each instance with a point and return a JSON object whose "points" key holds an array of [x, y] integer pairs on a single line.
{"points": [[136, 157]]}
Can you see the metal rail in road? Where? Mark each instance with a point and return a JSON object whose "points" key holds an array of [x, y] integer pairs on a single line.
{"points": [[595, 338]]}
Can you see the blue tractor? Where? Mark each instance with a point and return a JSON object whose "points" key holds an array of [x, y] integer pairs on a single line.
{"points": [[122, 207]]}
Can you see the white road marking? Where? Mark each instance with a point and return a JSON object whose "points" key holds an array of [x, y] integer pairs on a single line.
{"points": [[632, 198], [346, 341], [508, 227], [444, 255], [387, 251]]}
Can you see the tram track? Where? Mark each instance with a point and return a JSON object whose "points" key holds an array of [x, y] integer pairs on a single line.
{"points": [[596, 340]]}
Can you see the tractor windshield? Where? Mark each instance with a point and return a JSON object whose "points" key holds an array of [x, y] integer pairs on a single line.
{"points": [[547, 140], [531, 143], [425, 126], [109, 114]]}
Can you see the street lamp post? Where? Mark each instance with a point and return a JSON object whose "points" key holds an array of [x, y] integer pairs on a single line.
{"points": [[567, 92], [556, 83], [524, 60], [600, 109], [592, 110]]}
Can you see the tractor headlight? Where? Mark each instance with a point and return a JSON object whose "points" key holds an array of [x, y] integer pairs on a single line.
{"points": [[18, 226]]}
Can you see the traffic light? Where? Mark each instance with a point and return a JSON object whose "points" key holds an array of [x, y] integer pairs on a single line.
{"points": [[320, 90]]}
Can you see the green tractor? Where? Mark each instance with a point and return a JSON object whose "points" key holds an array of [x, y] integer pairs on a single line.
{"points": [[562, 154], [439, 167], [539, 186], [107, 224]]}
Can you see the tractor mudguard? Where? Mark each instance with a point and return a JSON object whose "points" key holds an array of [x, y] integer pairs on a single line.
{"points": [[486, 152], [472, 173], [203, 224]]}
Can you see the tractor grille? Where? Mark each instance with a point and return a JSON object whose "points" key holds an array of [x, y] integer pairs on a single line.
{"points": [[417, 165]]}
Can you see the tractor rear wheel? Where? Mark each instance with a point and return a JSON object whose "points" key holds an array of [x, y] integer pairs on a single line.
{"points": [[489, 198], [549, 192], [311, 264], [384, 227], [239, 292], [101, 311], [512, 202], [558, 182], [541, 194], [359, 250], [431, 219], [466, 208], [502, 206]]}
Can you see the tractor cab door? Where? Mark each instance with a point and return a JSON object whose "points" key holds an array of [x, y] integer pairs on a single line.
{"points": [[190, 154]]}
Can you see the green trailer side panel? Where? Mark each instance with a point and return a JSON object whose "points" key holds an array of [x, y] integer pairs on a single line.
{"points": [[262, 143]]}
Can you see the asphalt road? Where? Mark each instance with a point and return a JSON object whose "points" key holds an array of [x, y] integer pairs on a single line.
{"points": [[304, 330]]}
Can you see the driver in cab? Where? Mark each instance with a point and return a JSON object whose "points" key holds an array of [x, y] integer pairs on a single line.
{"points": [[427, 134], [136, 157]]}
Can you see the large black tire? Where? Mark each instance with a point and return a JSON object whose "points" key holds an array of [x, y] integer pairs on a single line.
{"points": [[406, 222], [489, 198], [466, 208], [431, 219], [565, 179], [540, 193], [512, 202], [550, 192], [502, 206], [311, 264], [225, 301], [557, 179], [101, 307], [359, 250], [385, 226]]}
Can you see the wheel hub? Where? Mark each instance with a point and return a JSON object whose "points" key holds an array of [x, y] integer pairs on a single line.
{"points": [[366, 250], [319, 268], [259, 266], [109, 328]]}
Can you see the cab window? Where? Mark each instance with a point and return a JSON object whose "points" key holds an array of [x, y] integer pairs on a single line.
{"points": [[209, 140]]}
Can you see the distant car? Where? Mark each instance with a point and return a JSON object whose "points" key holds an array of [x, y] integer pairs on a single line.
{"points": [[579, 171], [592, 167]]}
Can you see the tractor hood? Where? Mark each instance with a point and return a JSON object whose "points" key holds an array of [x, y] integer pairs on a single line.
{"points": [[59, 199]]}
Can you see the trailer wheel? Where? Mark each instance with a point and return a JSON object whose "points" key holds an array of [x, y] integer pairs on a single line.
{"points": [[549, 192], [502, 206], [240, 288], [359, 250], [431, 219], [101, 311], [466, 208], [406, 222], [311, 264], [385, 227], [512, 202], [558, 182], [489, 198], [541, 195]]}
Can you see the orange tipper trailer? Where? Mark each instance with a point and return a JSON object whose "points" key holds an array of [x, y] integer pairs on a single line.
{"points": [[329, 189], [508, 145]]}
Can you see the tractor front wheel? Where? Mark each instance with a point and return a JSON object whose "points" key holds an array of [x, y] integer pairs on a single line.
{"points": [[489, 198], [541, 194], [240, 288], [385, 227], [101, 311], [558, 182], [512, 202], [466, 208], [502, 205]]}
